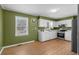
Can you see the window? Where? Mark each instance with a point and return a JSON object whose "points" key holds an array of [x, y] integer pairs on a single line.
{"points": [[21, 26]]}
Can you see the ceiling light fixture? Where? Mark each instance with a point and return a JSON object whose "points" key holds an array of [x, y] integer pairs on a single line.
{"points": [[54, 10]]}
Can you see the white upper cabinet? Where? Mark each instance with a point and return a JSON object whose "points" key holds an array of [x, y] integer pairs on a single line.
{"points": [[42, 23], [62, 22], [69, 23], [45, 23], [55, 23], [51, 25]]}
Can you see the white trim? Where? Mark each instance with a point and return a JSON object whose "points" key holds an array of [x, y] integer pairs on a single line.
{"points": [[15, 45], [1, 50], [18, 44]]}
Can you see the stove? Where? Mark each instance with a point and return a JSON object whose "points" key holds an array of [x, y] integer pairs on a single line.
{"points": [[61, 34]]}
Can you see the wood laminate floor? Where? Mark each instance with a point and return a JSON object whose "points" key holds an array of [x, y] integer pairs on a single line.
{"points": [[52, 47]]}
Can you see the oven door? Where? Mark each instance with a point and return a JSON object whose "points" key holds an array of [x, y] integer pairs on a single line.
{"points": [[61, 35]]}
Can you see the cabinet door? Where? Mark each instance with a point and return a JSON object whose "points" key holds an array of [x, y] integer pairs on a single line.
{"points": [[53, 34], [69, 23], [62, 22], [55, 23], [42, 23], [68, 35], [51, 25], [44, 36]]}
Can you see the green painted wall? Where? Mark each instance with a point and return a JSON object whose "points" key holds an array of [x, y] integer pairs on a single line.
{"points": [[0, 28], [9, 28]]}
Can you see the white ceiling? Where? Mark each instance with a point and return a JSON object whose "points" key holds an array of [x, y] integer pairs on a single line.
{"points": [[63, 10]]}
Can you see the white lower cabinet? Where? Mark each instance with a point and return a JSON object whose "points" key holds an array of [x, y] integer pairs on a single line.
{"points": [[53, 34], [43, 36], [68, 35], [47, 35]]}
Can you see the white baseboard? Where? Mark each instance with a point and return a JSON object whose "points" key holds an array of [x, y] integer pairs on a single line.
{"points": [[1, 50], [15, 45]]}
